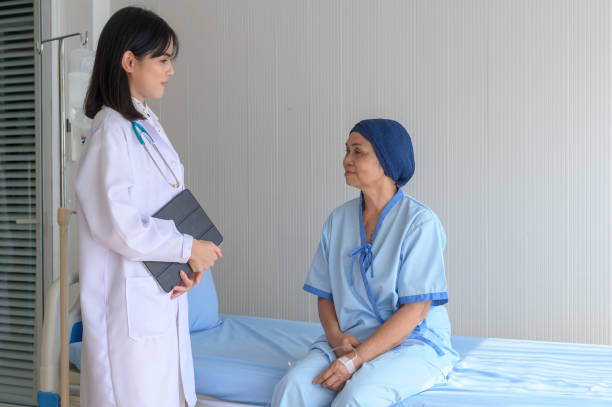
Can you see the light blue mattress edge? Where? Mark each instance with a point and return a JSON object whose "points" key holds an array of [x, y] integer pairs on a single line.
{"points": [[504, 372]]}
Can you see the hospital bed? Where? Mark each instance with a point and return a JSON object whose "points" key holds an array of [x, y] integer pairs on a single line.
{"points": [[238, 362]]}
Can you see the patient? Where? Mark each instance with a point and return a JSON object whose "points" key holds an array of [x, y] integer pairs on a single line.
{"points": [[379, 277]]}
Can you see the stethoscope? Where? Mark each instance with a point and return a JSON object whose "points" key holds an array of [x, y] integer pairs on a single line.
{"points": [[138, 130]]}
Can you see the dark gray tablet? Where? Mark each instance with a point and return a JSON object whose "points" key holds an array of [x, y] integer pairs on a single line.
{"points": [[189, 218]]}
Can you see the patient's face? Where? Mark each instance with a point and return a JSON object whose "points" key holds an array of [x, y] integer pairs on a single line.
{"points": [[361, 166]]}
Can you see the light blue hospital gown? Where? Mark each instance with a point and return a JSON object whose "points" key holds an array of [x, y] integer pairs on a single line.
{"points": [[368, 283]]}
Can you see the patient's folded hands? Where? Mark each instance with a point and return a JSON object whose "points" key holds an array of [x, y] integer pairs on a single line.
{"points": [[339, 371], [343, 344]]}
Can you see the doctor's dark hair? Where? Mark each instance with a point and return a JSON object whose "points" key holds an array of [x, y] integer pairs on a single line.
{"points": [[130, 29]]}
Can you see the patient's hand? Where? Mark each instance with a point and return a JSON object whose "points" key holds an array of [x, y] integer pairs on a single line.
{"points": [[337, 374], [334, 377], [189, 281], [343, 344]]}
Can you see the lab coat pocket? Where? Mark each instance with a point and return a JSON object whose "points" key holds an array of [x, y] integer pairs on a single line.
{"points": [[149, 309]]}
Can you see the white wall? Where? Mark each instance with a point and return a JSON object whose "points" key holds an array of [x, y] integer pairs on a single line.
{"points": [[508, 104]]}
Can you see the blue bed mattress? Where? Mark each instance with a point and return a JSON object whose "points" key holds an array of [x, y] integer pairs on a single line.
{"points": [[243, 358]]}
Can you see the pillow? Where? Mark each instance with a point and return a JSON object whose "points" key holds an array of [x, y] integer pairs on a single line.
{"points": [[203, 305]]}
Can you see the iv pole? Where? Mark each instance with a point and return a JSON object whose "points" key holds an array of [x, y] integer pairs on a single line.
{"points": [[63, 218]]}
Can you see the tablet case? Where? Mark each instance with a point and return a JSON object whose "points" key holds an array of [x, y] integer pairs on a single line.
{"points": [[189, 218]]}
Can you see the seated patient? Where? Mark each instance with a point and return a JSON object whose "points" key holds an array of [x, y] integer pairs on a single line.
{"points": [[379, 277]]}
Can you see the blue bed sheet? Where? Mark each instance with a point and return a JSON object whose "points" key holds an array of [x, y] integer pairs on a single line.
{"points": [[243, 358], [509, 373]]}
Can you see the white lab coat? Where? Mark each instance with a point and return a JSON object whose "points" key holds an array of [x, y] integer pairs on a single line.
{"points": [[136, 346]]}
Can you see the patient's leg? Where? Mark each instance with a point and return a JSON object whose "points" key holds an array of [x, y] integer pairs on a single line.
{"points": [[296, 389]]}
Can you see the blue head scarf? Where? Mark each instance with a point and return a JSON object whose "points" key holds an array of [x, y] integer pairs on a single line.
{"points": [[392, 145]]}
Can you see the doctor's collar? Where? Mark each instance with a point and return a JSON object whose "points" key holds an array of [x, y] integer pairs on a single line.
{"points": [[141, 107]]}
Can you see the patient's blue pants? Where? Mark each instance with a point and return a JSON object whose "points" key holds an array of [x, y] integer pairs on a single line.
{"points": [[382, 382]]}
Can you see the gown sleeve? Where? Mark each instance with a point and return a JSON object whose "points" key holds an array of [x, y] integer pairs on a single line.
{"points": [[421, 274], [103, 190], [317, 281]]}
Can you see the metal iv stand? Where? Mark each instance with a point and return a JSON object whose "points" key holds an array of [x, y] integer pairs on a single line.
{"points": [[63, 218]]}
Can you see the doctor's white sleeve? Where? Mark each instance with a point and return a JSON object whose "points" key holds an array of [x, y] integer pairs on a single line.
{"points": [[317, 281], [103, 189]]}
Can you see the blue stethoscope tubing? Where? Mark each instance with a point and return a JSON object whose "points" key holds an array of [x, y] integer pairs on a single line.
{"points": [[138, 130]]}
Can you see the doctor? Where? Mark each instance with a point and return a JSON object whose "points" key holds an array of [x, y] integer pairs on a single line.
{"points": [[136, 346]]}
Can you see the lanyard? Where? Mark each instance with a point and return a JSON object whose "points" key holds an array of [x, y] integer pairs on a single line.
{"points": [[138, 130]]}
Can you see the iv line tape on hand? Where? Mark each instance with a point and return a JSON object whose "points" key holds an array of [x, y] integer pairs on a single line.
{"points": [[348, 363]]}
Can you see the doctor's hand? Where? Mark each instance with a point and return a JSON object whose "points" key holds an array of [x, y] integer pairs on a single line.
{"points": [[203, 255], [189, 281]]}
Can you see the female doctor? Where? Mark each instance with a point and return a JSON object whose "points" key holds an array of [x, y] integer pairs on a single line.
{"points": [[136, 346]]}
